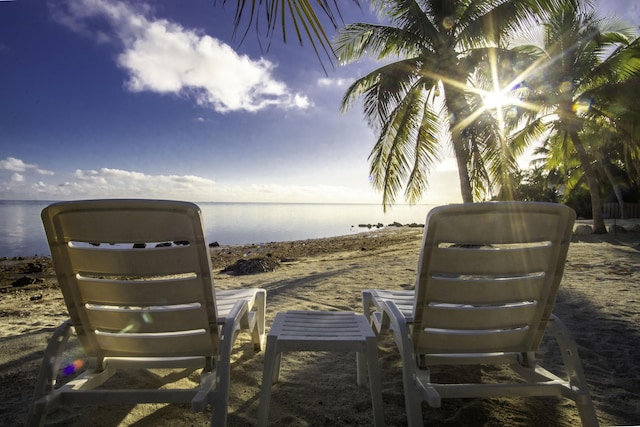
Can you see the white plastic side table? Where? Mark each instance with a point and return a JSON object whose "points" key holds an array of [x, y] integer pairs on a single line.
{"points": [[322, 331]]}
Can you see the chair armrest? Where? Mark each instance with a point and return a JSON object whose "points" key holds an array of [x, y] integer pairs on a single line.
{"points": [[230, 326], [399, 327]]}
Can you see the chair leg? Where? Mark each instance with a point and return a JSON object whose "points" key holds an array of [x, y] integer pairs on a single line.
{"points": [[367, 303], [575, 372], [220, 405], [587, 411], [47, 375], [413, 405], [259, 334], [37, 414]]}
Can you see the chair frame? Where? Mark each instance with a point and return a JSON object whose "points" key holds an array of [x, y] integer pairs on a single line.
{"points": [[138, 307], [484, 295]]}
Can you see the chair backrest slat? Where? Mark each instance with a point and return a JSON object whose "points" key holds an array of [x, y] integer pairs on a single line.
{"points": [[132, 262], [464, 290], [160, 319], [188, 344], [491, 261], [176, 290], [507, 340], [477, 318], [488, 276]]}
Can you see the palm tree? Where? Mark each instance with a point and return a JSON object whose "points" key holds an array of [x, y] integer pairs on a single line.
{"points": [[419, 97], [581, 61]]}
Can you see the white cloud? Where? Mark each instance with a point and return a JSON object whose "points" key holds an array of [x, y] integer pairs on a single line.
{"points": [[119, 183], [302, 101], [13, 164], [107, 182], [16, 165], [328, 82], [164, 57]]}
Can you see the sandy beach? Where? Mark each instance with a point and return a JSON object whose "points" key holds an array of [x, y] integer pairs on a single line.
{"points": [[599, 301]]}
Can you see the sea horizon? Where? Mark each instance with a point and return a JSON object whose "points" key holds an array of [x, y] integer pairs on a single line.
{"points": [[228, 223]]}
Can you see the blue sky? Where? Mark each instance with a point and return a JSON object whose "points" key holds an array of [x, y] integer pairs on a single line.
{"points": [[105, 98]]}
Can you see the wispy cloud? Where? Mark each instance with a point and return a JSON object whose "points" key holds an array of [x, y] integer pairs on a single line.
{"points": [[164, 57], [119, 183], [109, 182], [337, 83], [16, 165]]}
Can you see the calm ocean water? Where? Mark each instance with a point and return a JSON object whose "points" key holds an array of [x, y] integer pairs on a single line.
{"points": [[21, 232]]}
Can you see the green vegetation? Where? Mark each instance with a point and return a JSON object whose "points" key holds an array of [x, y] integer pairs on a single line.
{"points": [[489, 80]]}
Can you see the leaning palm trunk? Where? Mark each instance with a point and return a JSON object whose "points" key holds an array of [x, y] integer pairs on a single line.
{"points": [[606, 166], [589, 175], [456, 105]]}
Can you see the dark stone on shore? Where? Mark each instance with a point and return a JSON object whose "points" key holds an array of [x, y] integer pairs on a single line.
{"points": [[33, 267], [378, 225], [214, 245], [25, 281], [244, 267]]}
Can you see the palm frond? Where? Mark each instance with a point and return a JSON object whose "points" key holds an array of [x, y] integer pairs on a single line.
{"points": [[302, 14], [380, 41], [426, 151], [382, 90], [399, 147]]}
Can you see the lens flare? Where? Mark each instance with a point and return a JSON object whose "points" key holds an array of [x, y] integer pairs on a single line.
{"points": [[447, 23], [581, 106], [73, 367]]}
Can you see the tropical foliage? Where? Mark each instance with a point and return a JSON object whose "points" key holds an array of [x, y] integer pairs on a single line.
{"points": [[419, 98], [581, 62], [453, 76]]}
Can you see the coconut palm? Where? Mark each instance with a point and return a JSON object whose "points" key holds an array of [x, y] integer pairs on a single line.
{"points": [[581, 61], [418, 99]]}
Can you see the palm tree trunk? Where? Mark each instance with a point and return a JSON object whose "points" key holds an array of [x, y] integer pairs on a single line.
{"points": [[589, 175], [463, 169], [606, 165], [455, 102]]}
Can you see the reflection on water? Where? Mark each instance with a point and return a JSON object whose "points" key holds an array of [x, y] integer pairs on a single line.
{"points": [[21, 232]]}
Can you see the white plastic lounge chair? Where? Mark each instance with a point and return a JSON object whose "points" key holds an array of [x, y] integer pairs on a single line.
{"points": [[487, 281], [137, 282]]}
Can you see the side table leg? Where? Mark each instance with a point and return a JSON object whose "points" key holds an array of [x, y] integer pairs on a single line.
{"points": [[361, 367], [375, 383], [271, 363]]}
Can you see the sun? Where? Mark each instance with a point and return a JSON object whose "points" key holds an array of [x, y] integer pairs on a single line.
{"points": [[495, 100]]}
